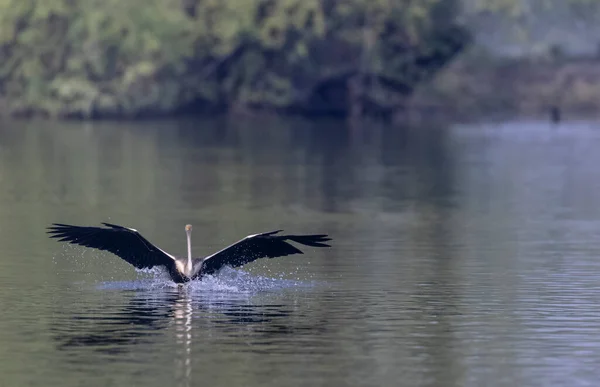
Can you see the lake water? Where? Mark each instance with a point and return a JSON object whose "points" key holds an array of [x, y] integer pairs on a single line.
{"points": [[466, 255]]}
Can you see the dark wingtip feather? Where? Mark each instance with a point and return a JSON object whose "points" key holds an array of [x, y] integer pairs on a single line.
{"points": [[57, 228], [311, 240]]}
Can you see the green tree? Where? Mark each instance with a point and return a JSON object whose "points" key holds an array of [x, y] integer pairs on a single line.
{"points": [[125, 58]]}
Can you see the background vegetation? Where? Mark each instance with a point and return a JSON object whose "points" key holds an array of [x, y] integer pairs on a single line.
{"points": [[528, 58], [109, 58], [102, 58]]}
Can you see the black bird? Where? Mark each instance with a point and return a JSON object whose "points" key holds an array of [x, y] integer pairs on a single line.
{"points": [[555, 114], [128, 244]]}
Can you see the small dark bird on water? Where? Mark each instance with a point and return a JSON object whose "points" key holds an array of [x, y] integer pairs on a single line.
{"points": [[555, 114], [128, 244]]}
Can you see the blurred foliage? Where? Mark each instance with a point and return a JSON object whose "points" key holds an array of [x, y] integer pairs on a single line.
{"points": [[127, 58], [540, 24], [583, 8]]}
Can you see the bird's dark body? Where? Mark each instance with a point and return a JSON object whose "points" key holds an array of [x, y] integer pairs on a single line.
{"points": [[128, 244], [176, 275]]}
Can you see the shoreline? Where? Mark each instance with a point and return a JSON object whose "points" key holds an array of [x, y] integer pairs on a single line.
{"points": [[463, 91]]}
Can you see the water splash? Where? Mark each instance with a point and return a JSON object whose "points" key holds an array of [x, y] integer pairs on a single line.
{"points": [[239, 281], [228, 280]]}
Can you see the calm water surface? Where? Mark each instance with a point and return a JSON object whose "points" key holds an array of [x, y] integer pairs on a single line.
{"points": [[462, 256]]}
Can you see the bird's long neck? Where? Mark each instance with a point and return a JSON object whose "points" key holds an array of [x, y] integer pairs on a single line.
{"points": [[189, 246]]}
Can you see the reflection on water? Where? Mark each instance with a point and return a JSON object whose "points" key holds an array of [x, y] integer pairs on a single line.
{"points": [[231, 305], [151, 305], [463, 256]]}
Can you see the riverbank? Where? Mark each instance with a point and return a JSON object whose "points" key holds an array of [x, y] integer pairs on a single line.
{"points": [[532, 88], [463, 91]]}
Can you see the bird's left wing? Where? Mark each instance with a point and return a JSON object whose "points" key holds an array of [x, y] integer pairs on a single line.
{"points": [[124, 242], [253, 247]]}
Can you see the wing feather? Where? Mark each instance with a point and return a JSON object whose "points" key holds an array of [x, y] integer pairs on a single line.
{"points": [[253, 247], [124, 242]]}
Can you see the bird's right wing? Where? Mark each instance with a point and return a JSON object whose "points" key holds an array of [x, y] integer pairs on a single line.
{"points": [[253, 247], [124, 242]]}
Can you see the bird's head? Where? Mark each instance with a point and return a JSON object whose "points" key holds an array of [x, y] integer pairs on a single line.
{"points": [[188, 228]]}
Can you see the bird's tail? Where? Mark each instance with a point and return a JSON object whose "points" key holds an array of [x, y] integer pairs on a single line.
{"points": [[310, 240]]}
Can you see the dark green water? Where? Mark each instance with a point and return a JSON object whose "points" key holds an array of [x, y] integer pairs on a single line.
{"points": [[462, 256]]}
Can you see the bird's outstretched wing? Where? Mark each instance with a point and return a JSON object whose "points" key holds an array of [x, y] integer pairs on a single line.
{"points": [[253, 247], [124, 242]]}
